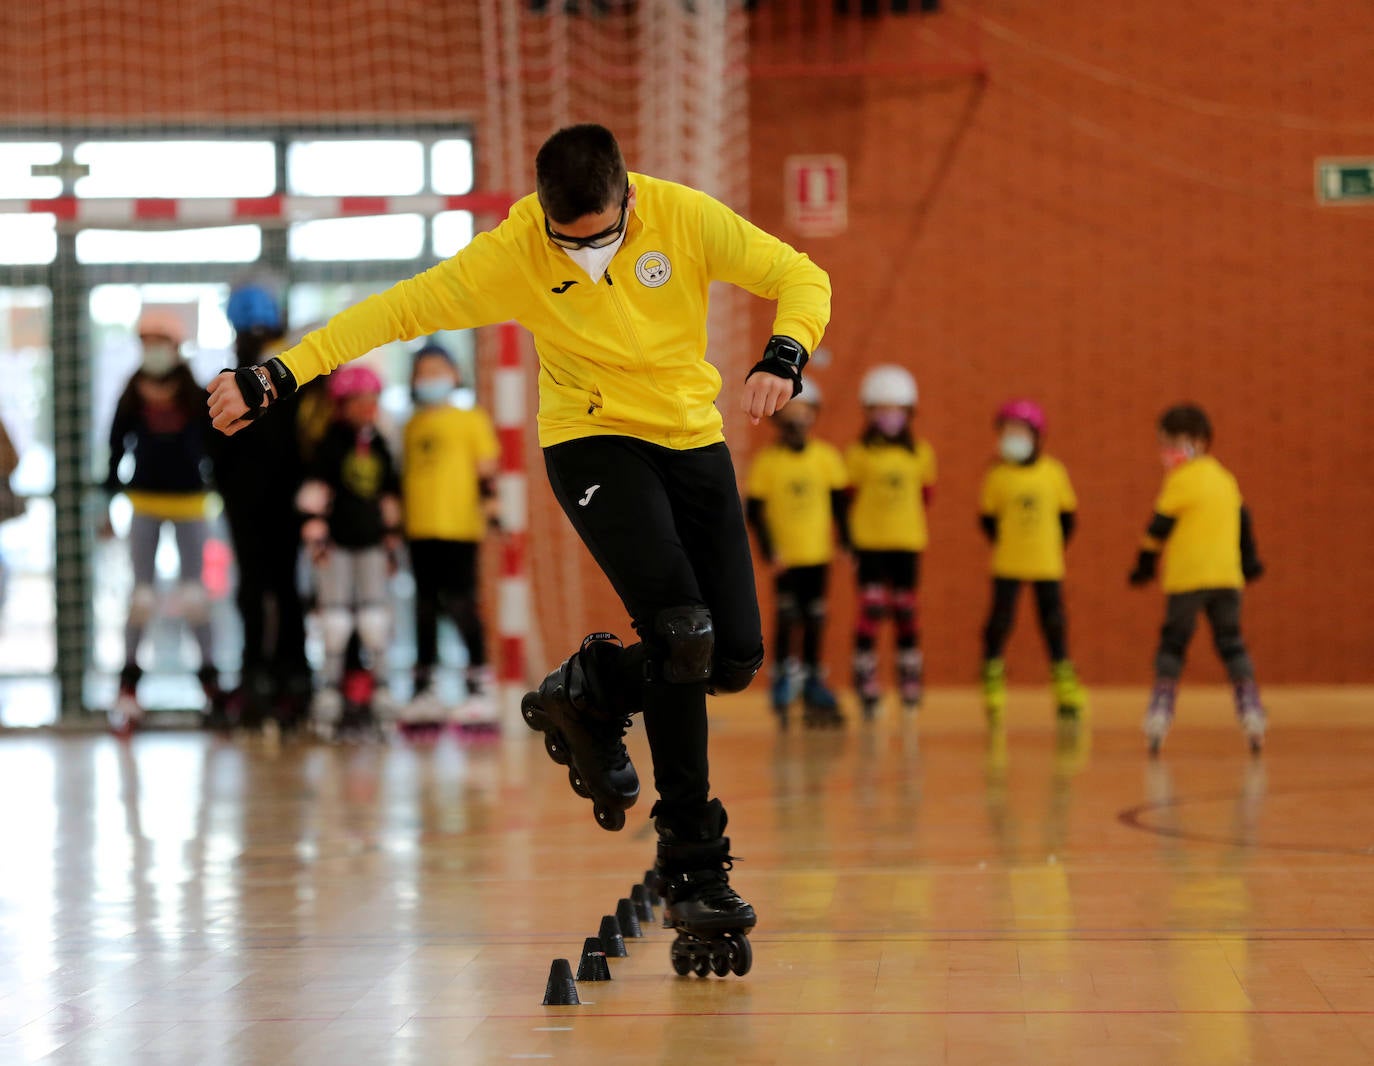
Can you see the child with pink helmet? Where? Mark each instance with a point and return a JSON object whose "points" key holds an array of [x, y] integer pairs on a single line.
{"points": [[1027, 511]]}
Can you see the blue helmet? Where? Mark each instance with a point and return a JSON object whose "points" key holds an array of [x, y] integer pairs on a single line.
{"points": [[253, 307]]}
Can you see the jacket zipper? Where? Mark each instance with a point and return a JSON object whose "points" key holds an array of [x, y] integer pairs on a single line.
{"points": [[628, 327]]}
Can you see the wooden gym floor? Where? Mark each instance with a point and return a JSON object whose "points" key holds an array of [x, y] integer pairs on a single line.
{"points": [[923, 897]]}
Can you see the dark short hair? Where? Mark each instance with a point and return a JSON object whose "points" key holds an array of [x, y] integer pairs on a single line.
{"points": [[1186, 420], [579, 171]]}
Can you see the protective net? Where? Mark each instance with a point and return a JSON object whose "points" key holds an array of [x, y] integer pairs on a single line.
{"points": [[325, 152]]}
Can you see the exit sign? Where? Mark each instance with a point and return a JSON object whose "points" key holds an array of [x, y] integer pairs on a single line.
{"points": [[1345, 181]]}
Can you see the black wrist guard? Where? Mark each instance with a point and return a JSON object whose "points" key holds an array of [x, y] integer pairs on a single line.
{"points": [[784, 358], [1146, 564], [253, 382]]}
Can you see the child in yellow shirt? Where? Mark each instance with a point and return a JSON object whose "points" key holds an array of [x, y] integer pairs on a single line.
{"points": [[893, 473], [1028, 511], [1203, 527], [447, 481], [795, 504]]}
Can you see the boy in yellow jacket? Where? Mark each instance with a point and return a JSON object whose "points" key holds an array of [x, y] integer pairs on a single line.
{"points": [[1203, 527], [1028, 513], [610, 271], [795, 505]]}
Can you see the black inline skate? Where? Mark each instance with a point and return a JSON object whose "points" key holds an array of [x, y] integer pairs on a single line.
{"points": [[711, 921], [584, 728]]}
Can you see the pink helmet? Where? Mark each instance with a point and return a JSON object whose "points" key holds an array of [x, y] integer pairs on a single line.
{"points": [[1027, 411], [353, 380]]}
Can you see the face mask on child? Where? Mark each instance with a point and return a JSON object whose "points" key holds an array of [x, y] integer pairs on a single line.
{"points": [[1016, 447], [432, 391], [1176, 456], [889, 423], [159, 358]]}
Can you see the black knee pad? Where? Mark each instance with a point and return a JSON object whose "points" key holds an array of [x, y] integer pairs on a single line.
{"points": [[788, 607], [734, 675], [687, 641]]}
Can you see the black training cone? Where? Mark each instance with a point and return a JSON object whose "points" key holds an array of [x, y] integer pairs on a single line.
{"points": [[653, 882], [639, 895], [593, 966], [561, 991], [628, 917], [612, 942]]}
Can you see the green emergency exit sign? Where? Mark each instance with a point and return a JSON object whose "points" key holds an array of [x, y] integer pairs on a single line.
{"points": [[1345, 181]]}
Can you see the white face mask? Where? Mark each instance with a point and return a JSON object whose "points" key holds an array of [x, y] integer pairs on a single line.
{"points": [[1016, 447], [595, 260], [159, 358]]}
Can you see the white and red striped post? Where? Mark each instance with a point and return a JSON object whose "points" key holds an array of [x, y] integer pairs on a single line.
{"points": [[512, 486]]}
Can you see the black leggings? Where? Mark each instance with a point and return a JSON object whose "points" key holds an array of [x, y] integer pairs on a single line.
{"points": [[800, 602], [667, 529], [1222, 607], [266, 545], [446, 585], [1049, 603]]}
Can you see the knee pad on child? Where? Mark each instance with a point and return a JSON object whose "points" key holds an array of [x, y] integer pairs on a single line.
{"points": [[686, 642]]}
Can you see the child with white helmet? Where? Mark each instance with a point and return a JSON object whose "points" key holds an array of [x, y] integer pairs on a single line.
{"points": [[159, 420], [893, 474], [1028, 511], [350, 502], [796, 506]]}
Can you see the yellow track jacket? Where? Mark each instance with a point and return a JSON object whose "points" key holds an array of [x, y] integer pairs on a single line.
{"points": [[626, 356]]}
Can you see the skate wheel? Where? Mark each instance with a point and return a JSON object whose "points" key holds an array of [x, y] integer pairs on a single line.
{"points": [[611, 818], [557, 752], [1256, 746], [702, 966], [682, 962], [1154, 748], [575, 779], [741, 955], [720, 963]]}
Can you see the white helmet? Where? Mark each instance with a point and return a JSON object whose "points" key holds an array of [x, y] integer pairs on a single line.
{"points": [[888, 384], [810, 393]]}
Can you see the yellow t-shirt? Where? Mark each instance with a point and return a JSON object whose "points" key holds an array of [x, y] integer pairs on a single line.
{"points": [[1027, 502], [795, 488], [443, 449], [1203, 551], [889, 511], [625, 355]]}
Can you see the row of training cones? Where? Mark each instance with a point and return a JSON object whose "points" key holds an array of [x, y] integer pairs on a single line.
{"points": [[561, 989]]}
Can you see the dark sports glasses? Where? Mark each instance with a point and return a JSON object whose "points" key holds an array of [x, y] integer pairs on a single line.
{"points": [[596, 240]]}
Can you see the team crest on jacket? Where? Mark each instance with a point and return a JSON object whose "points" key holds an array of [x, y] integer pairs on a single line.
{"points": [[653, 269]]}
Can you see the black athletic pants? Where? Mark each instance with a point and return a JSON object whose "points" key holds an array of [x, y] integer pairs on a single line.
{"points": [[445, 585], [800, 596], [1049, 603], [266, 545], [667, 529], [1222, 607]]}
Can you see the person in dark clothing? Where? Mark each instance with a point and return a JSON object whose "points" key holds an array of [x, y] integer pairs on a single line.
{"points": [[258, 475], [160, 422], [351, 505]]}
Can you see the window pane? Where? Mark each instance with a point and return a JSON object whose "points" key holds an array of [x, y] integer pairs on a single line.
{"points": [[375, 237], [16, 182], [178, 168], [224, 244], [452, 231], [452, 167], [355, 168], [28, 239]]}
